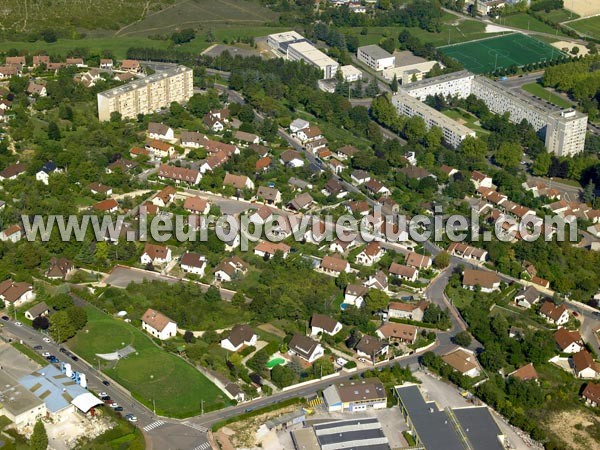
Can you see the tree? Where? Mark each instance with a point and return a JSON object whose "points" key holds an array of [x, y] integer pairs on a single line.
{"points": [[442, 260], [372, 89], [376, 300], [394, 84], [53, 131], [49, 35], [541, 164], [589, 193], [39, 438], [509, 155], [213, 294], [61, 327], [462, 338], [188, 336], [77, 316], [60, 301], [40, 323], [283, 376]]}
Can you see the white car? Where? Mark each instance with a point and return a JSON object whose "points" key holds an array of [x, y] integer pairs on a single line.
{"points": [[114, 405], [46, 354], [19, 324], [102, 394], [47, 340], [131, 418]]}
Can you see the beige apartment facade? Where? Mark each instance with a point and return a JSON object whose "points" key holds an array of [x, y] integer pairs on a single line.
{"points": [[146, 95]]}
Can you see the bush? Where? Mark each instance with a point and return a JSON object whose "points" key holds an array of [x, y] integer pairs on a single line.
{"points": [[248, 350], [350, 365]]}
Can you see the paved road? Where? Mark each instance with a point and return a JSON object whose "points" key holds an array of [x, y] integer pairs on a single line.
{"points": [[167, 435]]}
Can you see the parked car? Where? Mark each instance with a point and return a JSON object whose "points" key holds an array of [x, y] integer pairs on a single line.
{"points": [[19, 324], [47, 340], [118, 408], [46, 354], [105, 383], [131, 417], [114, 405], [102, 394], [62, 350], [38, 347], [54, 360], [74, 358], [5, 318], [49, 356]]}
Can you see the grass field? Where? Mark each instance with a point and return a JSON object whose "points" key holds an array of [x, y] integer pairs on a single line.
{"points": [[527, 22], [558, 15], [588, 27], [454, 30], [500, 52], [541, 92], [468, 119], [151, 373]]}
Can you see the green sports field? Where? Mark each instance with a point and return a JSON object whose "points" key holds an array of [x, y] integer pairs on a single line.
{"points": [[500, 52]]}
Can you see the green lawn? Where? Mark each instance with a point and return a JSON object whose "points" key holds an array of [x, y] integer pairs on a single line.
{"points": [[543, 93], [559, 15], [30, 353], [587, 27], [151, 373], [527, 22], [469, 119]]}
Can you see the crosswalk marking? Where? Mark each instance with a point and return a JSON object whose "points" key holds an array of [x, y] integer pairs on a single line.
{"points": [[203, 446], [315, 402], [196, 426], [153, 425]]}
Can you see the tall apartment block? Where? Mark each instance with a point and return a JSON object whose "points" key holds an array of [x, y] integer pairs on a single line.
{"points": [[146, 95], [564, 130]]}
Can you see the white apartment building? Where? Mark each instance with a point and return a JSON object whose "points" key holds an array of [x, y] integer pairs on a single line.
{"points": [[405, 74], [146, 95], [564, 130], [375, 57], [305, 51], [449, 85], [453, 132], [280, 41], [350, 73]]}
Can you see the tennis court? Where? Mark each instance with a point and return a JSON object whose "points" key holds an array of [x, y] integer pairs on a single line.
{"points": [[487, 55]]}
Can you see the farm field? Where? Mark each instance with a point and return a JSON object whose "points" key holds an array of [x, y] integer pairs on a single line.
{"points": [[500, 52], [151, 373], [526, 22], [587, 27], [539, 91]]}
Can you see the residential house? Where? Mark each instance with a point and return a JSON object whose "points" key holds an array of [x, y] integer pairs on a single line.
{"points": [[36, 89], [525, 373], [106, 63], [193, 263], [376, 187], [213, 162], [336, 166], [158, 325], [334, 188], [418, 261], [77, 62], [121, 164], [9, 71], [239, 182], [89, 78], [100, 189], [333, 265], [309, 134], [38, 60], [568, 341], [556, 315], [371, 348], [263, 164], [165, 197], [213, 123], [159, 149], [59, 268], [355, 396], [160, 131], [41, 309], [468, 252], [156, 254], [378, 281], [13, 233], [398, 332], [179, 174], [196, 205], [131, 66], [18, 61], [306, 348], [480, 179], [261, 215], [138, 151], [124, 77], [16, 293], [110, 205], [267, 249], [269, 195], [341, 246], [464, 361], [346, 152], [541, 282], [358, 207], [372, 253], [191, 139], [448, 171], [486, 281], [320, 323], [249, 138], [230, 269], [298, 184], [403, 272], [240, 336], [354, 295], [527, 297], [409, 311], [13, 171], [591, 394], [298, 125], [360, 176], [584, 365], [301, 202], [415, 173], [213, 147], [291, 158]]}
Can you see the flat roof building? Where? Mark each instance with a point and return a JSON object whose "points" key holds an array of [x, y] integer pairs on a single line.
{"points": [[479, 427], [305, 51], [453, 132], [358, 433], [375, 57], [281, 41], [18, 403], [146, 95], [355, 395]]}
